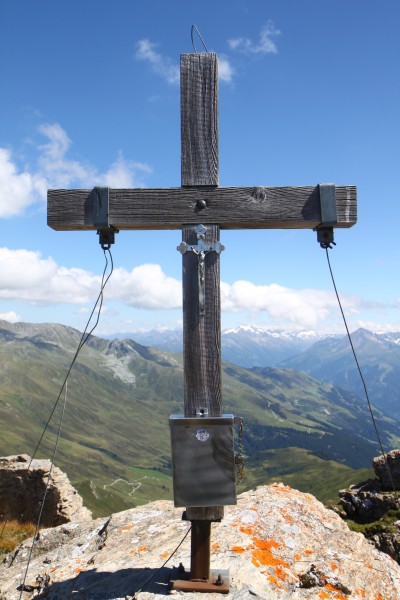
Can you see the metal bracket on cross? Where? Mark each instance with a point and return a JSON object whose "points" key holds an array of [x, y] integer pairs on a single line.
{"points": [[201, 249], [327, 195], [101, 210]]}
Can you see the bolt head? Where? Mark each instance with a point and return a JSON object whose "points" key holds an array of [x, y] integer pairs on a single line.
{"points": [[201, 204]]}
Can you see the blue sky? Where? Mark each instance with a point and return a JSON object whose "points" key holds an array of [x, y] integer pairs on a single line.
{"points": [[309, 93]]}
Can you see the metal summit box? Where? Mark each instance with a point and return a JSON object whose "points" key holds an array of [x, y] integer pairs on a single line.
{"points": [[203, 460]]}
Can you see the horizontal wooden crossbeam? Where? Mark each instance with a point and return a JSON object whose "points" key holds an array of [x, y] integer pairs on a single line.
{"points": [[231, 208]]}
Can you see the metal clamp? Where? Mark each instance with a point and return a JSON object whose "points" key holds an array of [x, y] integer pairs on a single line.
{"points": [[327, 195], [101, 211]]}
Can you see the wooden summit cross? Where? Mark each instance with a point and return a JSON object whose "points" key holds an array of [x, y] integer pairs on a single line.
{"points": [[200, 208]]}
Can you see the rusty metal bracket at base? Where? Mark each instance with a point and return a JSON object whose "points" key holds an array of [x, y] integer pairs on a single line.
{"points": [[218, 583]]}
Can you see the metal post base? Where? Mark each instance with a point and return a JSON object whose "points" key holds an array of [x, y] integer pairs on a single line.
{"points": [[217, 583]]}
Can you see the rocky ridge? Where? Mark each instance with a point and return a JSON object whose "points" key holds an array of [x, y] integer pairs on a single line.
{"points": [[22, 487], [277, 543], [374, 505]]}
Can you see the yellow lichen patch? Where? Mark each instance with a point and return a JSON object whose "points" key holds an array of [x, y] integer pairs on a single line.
{"points": [[237, 549]]}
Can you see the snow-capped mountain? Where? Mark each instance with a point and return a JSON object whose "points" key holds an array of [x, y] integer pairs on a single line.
{"points": [[247, 345]]}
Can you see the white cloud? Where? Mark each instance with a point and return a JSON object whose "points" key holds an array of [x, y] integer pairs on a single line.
{"points": [[17, 190], [161, 65], [168, 69], [10, 316], [146, 286], [225, 70], [304, 308], [265, 45], [54, 169], [26, 276]]}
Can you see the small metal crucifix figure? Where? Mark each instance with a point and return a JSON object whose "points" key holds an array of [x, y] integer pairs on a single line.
{"points": [[201, 249]]}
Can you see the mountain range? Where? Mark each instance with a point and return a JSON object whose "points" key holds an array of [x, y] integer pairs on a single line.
{"points": [[246, 345], [327, 357], [115, 437]]}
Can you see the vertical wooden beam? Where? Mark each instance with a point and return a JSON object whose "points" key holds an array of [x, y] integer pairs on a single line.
{"points": [[201, 331], [199, 119]]}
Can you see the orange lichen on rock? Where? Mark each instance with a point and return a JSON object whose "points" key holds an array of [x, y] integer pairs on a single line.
{"points": [[262, 556], [323, 594], [164, 555], [142, 548], [125, 529], [262, 553], [238, 549], [338, 595], [288, 518], [274, 581], [215, 546]]}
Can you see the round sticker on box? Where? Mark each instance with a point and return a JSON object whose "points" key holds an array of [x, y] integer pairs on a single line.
{"points": [[202, 435]]}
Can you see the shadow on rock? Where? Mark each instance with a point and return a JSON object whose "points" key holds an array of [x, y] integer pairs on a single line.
{"points": [[93, 585]]}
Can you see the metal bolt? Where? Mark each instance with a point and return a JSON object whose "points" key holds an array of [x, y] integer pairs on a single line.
{"points": [[219, 580], [201, 204]]}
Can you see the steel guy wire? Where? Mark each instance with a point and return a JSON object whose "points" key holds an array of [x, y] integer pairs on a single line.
{"points": [[146, 583], [361, 375], [85, 336], [49, 479]]}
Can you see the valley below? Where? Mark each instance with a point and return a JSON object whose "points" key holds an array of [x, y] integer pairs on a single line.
{"points": [[115, 440]]}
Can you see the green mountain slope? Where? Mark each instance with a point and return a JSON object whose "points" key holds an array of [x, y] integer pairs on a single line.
{"points": [[115, 436]]}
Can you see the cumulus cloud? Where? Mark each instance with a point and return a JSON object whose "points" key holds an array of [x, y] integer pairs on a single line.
{"points": [[168, 69], [17, 189], [146, 286], [160, 64], [265, 44], [27, 276], [225, 69], [54, 169], [10, 316], [305, 307]]}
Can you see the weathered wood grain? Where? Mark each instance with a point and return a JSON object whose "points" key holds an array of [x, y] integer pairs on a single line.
{"points": [[199, 119], [232, 208], [201, 333]]}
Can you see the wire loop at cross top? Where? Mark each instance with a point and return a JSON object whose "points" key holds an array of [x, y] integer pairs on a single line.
{"points": [[194, 28]]}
